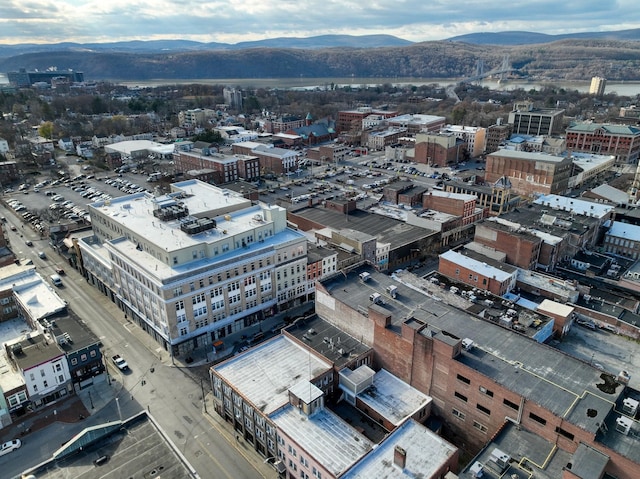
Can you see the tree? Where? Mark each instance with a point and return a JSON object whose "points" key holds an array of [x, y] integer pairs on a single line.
{"points": [[45, 130]]}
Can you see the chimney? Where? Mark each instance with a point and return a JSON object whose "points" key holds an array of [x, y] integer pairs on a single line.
{"points": [[400, 457]]}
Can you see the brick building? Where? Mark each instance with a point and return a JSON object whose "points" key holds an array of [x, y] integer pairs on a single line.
{"points": [[483, 376], [529, 173], [283, 123], [496, 135], [414, 123], [478, 271], [351, 120], [458, 204], [622, 141], [521, 247], [219, 168], [623, 239], [439, 149]]}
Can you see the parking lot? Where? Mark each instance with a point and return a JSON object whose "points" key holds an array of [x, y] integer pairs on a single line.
{"points": [[54, 199]]}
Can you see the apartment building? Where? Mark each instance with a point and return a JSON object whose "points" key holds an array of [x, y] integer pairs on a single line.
{"points": [[475, 137], [219, 168], [195, 265], [496, 135], [530, 173], [597, 86], [379, 140], [622, 141], [283, 123]]}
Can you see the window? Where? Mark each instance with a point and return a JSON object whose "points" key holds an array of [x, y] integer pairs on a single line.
{"points": [[510, 404], [485, 410], [538, 419], [74, 361], [486, 391], [463, 379], [462, 397], [564, 433], [460, 415], [480, 427]]}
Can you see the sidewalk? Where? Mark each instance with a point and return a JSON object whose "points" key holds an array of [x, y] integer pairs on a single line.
{"points": [[225, 429], [68, 410]]}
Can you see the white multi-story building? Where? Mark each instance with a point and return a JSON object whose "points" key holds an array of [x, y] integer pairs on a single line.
{"points": [[473, 136], [197, 264], [4, 146]]}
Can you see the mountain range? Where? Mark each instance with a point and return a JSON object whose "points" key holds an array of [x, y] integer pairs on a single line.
{"points": [[615, 55]]}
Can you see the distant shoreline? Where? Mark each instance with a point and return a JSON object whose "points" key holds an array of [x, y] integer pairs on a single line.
{"points": [[622, 88]]}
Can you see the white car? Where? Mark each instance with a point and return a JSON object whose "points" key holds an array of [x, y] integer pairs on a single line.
{"points": [[10, 446]]}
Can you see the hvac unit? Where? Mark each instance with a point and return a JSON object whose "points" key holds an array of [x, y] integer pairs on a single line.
{"points": [[476, 470], [623, 425], [500, 459], [630, 406]]}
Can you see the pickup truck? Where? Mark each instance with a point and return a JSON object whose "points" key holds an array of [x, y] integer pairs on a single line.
{"points": [[120, 362]]}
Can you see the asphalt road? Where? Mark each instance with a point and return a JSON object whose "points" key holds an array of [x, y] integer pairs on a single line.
{"points": [[171, 394]]}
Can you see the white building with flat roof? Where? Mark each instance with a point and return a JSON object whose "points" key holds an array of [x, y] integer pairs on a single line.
{"points": [[196, 264]]}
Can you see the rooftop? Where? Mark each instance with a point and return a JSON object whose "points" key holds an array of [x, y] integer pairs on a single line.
{"points": [[386, 230], [426, 454], [625, 231], [330, 342], [574, 205], [503, 273], [562, 384], [394, 399], [608, 128], [34, 349], [265, 373], [328, 439], [528, 155]]}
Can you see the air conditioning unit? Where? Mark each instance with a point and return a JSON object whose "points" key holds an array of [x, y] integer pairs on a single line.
{"points": [[623, 425], [500, 459], [630, 406], [476, 470]]}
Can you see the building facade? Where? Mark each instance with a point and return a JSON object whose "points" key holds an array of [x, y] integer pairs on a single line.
{"points": [[527, 120], [622, 141], [195, 265]]}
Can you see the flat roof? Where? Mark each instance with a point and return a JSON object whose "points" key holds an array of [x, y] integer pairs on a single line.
{"points": [[557, 308], [386, 230], [325, 436], [480, 267], [528, 155], [332, 343], [426, 454], [10, 379], [611, 193], [393, 398], [35, 351], [38, 298], [544, 459], [264, 373], [625, 231], [574, 205], [562, 384]]}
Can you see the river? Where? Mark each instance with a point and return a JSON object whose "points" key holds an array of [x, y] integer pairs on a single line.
{"points": [[631, 88]]}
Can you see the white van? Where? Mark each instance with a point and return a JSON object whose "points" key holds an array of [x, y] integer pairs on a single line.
{"points": [[56, 280]]}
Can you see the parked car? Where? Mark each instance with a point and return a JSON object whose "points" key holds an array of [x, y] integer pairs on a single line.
{"points": [[10, 446]]}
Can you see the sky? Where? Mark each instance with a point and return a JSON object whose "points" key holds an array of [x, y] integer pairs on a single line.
{"points": [[233, 21]]}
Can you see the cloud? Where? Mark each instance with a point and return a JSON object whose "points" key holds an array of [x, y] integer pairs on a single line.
{"points": [[231, 21]]}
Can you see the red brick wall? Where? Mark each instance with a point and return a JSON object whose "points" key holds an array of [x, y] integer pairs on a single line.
{"points": [[521, 251], [452, 206], [460, 273]]}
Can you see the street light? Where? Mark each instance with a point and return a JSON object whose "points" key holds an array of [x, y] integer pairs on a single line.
{"points": [[91, 401], [118, 406]]}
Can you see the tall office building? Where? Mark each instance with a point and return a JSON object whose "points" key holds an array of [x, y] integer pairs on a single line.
{"points": [[195, 265], [597, 86]]}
